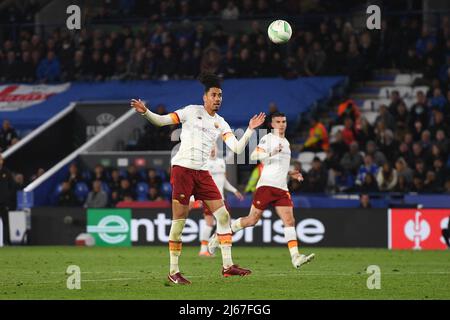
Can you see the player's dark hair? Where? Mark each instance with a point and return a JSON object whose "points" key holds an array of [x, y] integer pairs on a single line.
{"points": [[210, 80], [276, 114]]}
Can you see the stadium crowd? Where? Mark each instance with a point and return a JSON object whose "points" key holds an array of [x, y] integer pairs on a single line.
{"points": [[407, 149], [160, 48]]}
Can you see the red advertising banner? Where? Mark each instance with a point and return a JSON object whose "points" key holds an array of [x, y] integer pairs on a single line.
{"points": [[417, 228]]}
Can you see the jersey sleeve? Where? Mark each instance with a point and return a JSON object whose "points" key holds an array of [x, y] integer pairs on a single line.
{"points": [[226, 130], [264, 144], [181, 115]]}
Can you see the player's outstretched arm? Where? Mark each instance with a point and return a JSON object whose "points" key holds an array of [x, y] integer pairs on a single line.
{"points": [[239, 146], [156, 119]]}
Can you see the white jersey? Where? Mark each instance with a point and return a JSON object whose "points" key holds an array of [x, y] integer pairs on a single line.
{"points": [[199, 133], [275, 168]]}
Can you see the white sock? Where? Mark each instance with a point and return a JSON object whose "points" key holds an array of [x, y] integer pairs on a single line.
{"points": [[175, 244], [204, 237], [224, 234], [291, 238], [174, 262], [236, 225]]}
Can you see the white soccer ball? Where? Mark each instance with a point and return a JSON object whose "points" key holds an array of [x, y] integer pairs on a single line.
{"points": [[279, 31]]}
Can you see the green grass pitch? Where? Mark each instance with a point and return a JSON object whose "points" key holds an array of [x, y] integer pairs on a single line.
{"points": [[140, 273]]}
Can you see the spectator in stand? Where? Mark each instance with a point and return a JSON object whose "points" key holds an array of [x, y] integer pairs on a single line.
{"points": [[387, 178], [352, 160], [402, 185], [100, 173], [7, 198], [97, 198], [7, 135], [338, 145], [418, 185], [364, 201], [369, 184], [396, 100], [442, 142], [438, 101], [74, 175], [315, 60], [294, 185], [404, 153], [318, 137], [420, 169], [348, 133], [378, 157], [126, 191], [367, 167], [385, 117], [153, 179], [365, 133], [153, 194], [419, 111], [230, 12], [441, 173], [49, 69], [316, 177], [403, 170], [67, 197], [38, 173], [438, 122], [114, 182], [430, 184], [133, 176]]}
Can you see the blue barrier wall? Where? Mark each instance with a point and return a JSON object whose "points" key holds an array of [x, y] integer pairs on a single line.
{"points": [[241, 98]]}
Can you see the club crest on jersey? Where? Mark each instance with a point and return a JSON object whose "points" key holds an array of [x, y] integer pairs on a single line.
{"points": [[216, 125], [199, 118]]}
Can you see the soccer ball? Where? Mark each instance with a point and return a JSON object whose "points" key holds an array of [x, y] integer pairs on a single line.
{"points": [[279, 31]]}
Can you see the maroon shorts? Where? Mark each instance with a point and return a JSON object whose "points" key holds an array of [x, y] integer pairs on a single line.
{"points": [[187, 182], [265, 196]]}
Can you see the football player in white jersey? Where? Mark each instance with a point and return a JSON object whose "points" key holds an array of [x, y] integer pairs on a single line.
{"points": [[274, 152], [201, 126], [217, 169]]}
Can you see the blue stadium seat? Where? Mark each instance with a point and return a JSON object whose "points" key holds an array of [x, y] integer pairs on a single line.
{"points": [[167, 190], [143, 174], [123, 172], [81, 191], [106, 188], [87, 175], [141, 189], [55, 194]]}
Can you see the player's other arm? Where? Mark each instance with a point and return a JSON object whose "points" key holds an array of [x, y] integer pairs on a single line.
{"points": [[156, 119], [260, 153], [239, 146], [229, 187]]}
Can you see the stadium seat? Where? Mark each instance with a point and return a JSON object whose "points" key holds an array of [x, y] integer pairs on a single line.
{"points": [[370, 116], [409, 103], [403, 79], [167, 190], [81, 191], [424, 89], [306, 167], [335, 129], [105, 187], [385, 92], [321, 155], [369, 105], [306, 157], [87, 175], [142, 189], [55, 194]]}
